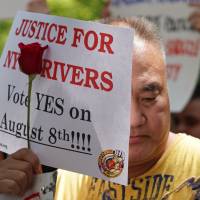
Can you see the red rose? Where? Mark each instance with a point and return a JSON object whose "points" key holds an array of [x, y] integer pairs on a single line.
{"points": [[30, 60]]}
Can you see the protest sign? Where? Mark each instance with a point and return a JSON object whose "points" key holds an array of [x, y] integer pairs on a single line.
{"points": [[181, 42], [80, 110]]}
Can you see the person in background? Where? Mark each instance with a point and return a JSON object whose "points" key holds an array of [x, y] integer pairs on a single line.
{"points": [[188, 120], [194, 18], [39, 6], [106, 9], [1, 156]]}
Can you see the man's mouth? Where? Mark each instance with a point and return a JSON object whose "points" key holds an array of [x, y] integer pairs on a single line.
{"points": [[136, 139]]}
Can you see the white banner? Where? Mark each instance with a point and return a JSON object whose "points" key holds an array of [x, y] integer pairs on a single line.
{"points": [[182, 44], [80, 111]]}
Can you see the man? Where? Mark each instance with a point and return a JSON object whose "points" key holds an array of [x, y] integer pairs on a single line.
{"points": [[162, 165], [188, 121], [155, 155]]}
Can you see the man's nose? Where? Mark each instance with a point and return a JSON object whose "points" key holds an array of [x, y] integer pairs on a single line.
{"points": [[138, 118]]}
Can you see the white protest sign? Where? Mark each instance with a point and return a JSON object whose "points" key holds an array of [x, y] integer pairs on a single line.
{"points": [[182, 44], [80, 111], [9, 8], [42, 189]]}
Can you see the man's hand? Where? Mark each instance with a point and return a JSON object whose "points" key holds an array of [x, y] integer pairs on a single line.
{"points": [[16, 172], [195, 16]]}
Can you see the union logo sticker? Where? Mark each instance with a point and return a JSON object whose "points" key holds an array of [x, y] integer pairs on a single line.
{"points": [[111, 162]]}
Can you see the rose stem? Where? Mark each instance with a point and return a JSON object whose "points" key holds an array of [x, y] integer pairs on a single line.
{"points": [[30, 80]]}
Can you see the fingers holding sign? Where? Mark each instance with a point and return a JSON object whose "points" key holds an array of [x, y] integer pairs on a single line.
{"points": [[194, 18], [16, 172]]}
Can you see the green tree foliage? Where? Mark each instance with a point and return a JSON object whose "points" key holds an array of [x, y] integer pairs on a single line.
{"points": [[4, 30], [79, 9]]}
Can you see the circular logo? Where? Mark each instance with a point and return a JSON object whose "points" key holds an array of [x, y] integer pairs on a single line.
{"points": [[111, 162]]}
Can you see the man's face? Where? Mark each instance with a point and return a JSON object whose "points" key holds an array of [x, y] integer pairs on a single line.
{"points": [[188, 121], [150, 106]]}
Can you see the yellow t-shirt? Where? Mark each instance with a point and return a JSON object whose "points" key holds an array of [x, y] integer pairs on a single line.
{"points": [[174, 177]]}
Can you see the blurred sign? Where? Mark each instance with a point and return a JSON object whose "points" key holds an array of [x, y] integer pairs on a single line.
{"points": [[182, 44], [9, 8]]}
